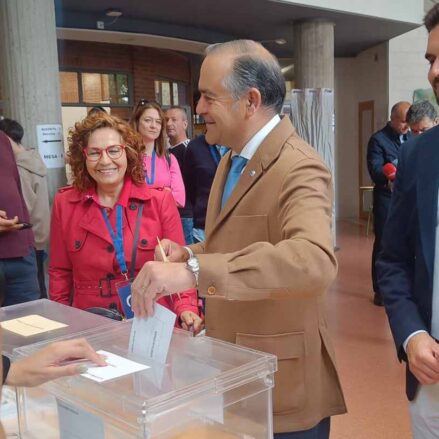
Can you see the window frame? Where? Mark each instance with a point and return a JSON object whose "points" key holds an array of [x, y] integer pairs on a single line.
{"points": [[81, 103], [171, 82]]}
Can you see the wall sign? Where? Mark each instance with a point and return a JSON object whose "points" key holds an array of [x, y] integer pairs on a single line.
{"points": [[50, 145]]}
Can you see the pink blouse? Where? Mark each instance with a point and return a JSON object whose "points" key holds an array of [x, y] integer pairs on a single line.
{"points": [[167, 176]]}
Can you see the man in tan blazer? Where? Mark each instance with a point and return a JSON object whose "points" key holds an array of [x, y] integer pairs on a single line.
{"points": [[268, 258]]}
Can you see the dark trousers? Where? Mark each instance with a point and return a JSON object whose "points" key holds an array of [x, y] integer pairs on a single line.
{"points": [[41, 257], [320, 431], [20, 279], [381, 204]]}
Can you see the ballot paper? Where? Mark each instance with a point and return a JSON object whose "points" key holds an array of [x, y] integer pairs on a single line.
{"points": [[116, 367], [150, 337], [31, 325], [76, 423]]}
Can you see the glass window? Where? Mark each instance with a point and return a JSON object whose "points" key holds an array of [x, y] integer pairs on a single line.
{"points": [[69, 87], [93, 88], [170, 93], [90, 88], [175, 93], [166, 94]]}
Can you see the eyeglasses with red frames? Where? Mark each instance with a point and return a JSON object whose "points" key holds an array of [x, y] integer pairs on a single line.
{"points": [[113, 151]]}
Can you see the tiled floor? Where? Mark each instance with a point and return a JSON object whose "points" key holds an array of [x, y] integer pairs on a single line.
{"points": [[372, 378]]}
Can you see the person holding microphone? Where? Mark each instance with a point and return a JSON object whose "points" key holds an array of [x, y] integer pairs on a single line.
{"points": [[383, 148]]}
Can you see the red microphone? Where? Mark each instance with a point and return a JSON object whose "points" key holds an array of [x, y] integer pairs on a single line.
{"points": [[389, 170]]}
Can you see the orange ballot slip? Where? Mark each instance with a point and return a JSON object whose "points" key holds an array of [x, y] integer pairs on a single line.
{"points": [[31, 325]]}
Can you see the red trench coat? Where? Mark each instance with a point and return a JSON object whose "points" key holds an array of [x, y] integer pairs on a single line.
{"points": [[83, 269]]}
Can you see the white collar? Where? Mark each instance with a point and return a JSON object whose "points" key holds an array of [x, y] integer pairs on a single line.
{"points": [[253, 144], [185, 143]]}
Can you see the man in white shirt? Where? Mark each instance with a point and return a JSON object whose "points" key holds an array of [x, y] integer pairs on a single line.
{"points": [[408, 266], [267, 259]]}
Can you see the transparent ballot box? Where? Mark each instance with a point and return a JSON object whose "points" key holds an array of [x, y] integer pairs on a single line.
{"points": [[53, 320], [39, 321], [207, 389]]}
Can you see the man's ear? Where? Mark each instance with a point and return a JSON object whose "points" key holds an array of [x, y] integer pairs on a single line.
{"points": [[254, 101]]}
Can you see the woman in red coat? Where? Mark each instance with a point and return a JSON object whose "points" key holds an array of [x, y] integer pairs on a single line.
{"points": [[94, 221]]}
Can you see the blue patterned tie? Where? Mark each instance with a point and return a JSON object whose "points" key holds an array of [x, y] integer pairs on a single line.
{"points": [[236, 168]]}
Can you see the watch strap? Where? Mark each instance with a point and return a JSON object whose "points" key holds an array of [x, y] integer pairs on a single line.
{"points": [[190, 252]]}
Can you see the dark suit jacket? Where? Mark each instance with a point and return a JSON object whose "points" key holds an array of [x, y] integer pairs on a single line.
{"points": [[198, 172], [179, 151], [383, 147], [406, 263]]}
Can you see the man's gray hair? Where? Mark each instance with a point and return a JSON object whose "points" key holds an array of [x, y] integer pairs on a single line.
{"points": [[253, 66], [178, 107], [419, 110]]}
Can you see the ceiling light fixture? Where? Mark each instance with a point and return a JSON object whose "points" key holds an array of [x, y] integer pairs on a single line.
{"points": [[279, 41], [113, 13]]}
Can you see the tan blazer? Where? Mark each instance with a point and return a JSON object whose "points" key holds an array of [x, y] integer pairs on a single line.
{"points": [[265, 267]]}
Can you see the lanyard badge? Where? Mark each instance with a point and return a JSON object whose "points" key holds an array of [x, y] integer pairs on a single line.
{"points": [[150, 180], [124, 291], [124, 287], [117, 237]]}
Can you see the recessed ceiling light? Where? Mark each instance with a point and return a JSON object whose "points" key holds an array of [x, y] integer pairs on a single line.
{"points": [[280, 41], [113, 12]]}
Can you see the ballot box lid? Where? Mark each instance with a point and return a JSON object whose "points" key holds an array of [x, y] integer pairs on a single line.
{"points": [[44, 320]]}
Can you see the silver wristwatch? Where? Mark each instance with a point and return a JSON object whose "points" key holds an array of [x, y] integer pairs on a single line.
{"points": [[192, 264]]}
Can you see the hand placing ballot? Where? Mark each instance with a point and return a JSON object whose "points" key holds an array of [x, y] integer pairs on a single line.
{"points": [[160, 278]]}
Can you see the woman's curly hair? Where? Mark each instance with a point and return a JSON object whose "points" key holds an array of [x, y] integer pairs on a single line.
{"points": [[78, 140]]}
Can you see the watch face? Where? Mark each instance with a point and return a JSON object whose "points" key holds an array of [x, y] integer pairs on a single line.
{"points": [[193, 264]]}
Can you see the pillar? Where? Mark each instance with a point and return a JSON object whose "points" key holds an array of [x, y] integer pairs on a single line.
{"points": [[29, 73], [314, 54]]}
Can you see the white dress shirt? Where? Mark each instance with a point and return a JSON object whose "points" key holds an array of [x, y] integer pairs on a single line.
{"points": [[254, 143]]}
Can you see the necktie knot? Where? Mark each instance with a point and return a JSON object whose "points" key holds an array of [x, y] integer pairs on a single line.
{"points": [[238, 164], [223, 150]]}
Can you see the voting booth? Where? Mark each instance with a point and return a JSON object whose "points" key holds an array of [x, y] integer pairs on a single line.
{"points": [[38, 321], [205, 389]]}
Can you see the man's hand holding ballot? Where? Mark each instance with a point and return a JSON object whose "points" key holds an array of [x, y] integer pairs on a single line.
{"points": [[164, 277]]}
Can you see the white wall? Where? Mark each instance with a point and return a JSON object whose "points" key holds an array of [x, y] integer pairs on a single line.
{"points": [[346, 125], [359, 79], [407, 65]]}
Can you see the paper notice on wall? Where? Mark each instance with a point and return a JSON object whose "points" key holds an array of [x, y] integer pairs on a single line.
{"points": [[50, 145], [76, 423]]}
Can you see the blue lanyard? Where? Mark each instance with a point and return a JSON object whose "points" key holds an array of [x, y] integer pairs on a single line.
{"points": [[117, 238], [215, 154], [151, 180]]}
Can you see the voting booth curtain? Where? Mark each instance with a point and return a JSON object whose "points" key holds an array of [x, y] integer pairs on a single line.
{"points": [[312, 114]]}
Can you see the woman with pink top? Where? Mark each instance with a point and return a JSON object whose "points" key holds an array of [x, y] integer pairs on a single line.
{"points": [[161, 168]]}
